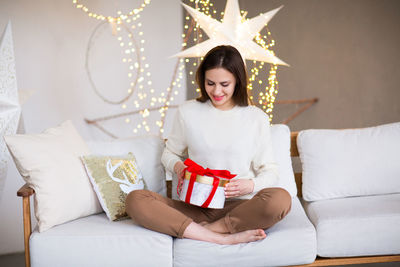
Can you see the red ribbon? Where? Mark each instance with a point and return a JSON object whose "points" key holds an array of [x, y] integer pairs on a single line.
{"points": [[195, 170]]}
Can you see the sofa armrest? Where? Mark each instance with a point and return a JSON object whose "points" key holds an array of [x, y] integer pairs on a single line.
{"points": [[26, 192]]}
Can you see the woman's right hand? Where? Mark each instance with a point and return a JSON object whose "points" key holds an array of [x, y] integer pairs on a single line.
{"points": [[179, 169]]}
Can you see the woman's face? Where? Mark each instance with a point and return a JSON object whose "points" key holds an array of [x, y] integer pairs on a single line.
{"points": [[220, 85]]}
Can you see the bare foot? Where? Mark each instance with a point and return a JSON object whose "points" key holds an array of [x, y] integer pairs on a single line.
{"points": [[198, 232], [244, 237]]}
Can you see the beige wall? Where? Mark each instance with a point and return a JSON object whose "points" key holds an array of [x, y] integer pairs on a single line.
{"points": [[345, 52]]}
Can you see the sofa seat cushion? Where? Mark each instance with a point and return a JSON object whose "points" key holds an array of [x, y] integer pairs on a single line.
{"points": [[290, 241], [357, 226], [96, 241]]}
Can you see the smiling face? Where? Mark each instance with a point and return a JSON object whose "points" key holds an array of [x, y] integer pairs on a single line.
{"points": [[220, 85]]}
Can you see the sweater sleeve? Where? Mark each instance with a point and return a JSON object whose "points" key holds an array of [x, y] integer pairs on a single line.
{"points": [[264, 165], [176, 144]]}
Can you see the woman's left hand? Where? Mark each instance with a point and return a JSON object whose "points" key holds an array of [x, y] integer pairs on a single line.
{"points": [[239, 187]]}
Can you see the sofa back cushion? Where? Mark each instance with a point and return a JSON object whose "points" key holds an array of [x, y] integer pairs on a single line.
{"points": [[147, 151], [350, 162]]}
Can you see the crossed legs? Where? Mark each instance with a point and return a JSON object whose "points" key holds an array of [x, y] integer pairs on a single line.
{"points": [[266, 208], [240, 221]]}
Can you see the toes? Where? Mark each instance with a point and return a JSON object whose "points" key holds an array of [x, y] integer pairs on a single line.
{"points": [[260, 232], [258, 237]]}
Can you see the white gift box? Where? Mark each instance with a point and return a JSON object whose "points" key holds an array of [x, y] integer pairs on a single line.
{"points": [[202, 188]]}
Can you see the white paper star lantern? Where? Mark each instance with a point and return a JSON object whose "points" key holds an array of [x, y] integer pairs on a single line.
{"points": [[232, 31], [9, 104]]}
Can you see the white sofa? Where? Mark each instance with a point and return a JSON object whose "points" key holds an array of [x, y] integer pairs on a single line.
{"points": [[318, 225]]}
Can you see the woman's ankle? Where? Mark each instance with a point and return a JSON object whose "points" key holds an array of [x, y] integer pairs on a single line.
{"points": [[218, 226]]}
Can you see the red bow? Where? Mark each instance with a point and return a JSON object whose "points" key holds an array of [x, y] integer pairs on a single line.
{"points": [[195, 170], [199, 170]]}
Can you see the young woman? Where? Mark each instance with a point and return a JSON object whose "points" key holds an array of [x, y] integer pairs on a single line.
{"points": [[219, 130]]}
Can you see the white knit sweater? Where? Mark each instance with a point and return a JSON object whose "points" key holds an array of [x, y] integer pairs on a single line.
{"points": [[237, 140]]}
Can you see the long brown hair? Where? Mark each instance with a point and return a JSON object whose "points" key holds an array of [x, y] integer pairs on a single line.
{"points": [[229, 58]]}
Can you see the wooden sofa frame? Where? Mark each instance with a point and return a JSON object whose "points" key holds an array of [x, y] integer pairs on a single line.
{"points": [[26, 192]]}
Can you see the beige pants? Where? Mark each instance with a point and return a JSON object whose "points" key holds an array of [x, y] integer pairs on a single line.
{"points": [[171, 217]]}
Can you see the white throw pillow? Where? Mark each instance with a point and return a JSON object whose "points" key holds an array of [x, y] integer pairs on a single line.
{"points": [[147, 151], [280, 135], [49, 163], [350, 162]]}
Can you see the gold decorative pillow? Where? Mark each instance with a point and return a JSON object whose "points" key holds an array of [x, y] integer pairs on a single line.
{"points": [[113, 178]]}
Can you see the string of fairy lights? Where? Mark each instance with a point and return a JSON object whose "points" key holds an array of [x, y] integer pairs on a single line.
{"points": [[148, 102], [132, 54], [127, 31], [118, 19]]}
